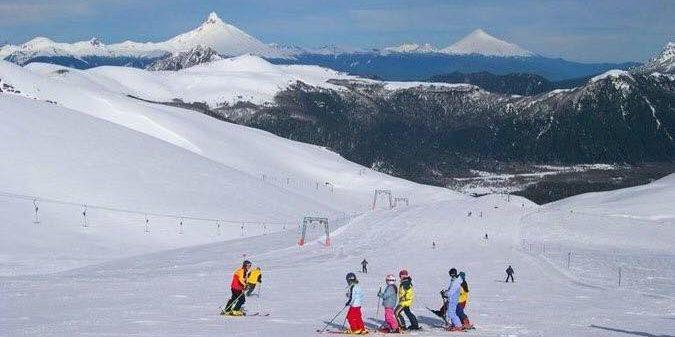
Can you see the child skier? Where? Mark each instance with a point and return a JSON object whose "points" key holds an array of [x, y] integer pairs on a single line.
{"points": [[254, 277], [406, 295], [453, 299], [463, 299], [233, 306], [354, 301], [389, 303]]}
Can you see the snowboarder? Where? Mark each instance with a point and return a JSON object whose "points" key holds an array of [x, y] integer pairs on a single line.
{"points": [[406, 295], [254, 277], [364, 266], [389, 303], [453, 299], [234, 304], [354, 301], [509, 274], [463, 299]]}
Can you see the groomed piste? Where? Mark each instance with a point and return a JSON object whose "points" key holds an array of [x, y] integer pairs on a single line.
{"points": [[144, 211]]}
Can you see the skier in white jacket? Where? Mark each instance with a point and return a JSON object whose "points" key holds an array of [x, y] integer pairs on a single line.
{"points": [[453, 298]]}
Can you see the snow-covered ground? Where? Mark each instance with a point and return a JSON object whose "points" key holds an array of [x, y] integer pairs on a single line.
{"points": [[120, 160], [488, 182], [605, 238], [177, 292]]}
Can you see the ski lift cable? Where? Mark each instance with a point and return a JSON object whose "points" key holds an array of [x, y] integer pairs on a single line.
{"points": [[36, 199]]}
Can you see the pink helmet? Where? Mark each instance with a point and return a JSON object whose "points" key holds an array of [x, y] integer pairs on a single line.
{"points": [[390, 278]]}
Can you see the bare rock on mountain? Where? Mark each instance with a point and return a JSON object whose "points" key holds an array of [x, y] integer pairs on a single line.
{"points": [[186, 59]]}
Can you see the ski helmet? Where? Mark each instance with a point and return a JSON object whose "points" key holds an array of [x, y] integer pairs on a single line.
{"points": [[453, 272], [403, 273], [351, 277], [246, 263], [462, 275], [390, 278]]}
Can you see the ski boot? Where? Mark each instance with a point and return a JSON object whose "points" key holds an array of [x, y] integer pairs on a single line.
{"points": [[453, 328], [467, 324], [236, 313]]}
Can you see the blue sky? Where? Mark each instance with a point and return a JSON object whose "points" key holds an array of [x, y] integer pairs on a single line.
{"points": [[582, 30]]}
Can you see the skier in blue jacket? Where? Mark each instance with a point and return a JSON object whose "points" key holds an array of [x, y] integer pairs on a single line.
{"points": [[453, 298]]}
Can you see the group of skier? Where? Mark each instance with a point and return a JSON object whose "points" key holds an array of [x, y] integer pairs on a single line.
{"points": [[397, 302], [244, 281]]}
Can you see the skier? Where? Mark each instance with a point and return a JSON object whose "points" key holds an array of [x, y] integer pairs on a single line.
{"points": [[389, 303], [406, 295], [254, 277], [433, 244], [364, 266], [233, 306], [463, 299], [441, 312], [486, 237], [509, 274], [354, 301], [453, 299]]}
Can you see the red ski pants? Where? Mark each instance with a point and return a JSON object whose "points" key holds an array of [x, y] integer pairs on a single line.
{"points": [[354, 318]]}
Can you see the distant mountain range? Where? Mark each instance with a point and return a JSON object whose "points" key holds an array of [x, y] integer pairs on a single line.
{"points": [[524, 84], [478, 51], [423, 131]]}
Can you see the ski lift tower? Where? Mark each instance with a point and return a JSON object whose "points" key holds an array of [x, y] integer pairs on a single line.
{"points": [[402, 200], [383, 192], [310, 220]]}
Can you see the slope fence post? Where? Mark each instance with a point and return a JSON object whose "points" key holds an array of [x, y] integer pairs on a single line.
{"points": [[84, 216], [36, 220]]}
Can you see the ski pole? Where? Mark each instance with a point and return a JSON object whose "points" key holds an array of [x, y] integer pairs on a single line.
{"points": [[378, 304], [233, 302], [259, 297], [333, 319]]}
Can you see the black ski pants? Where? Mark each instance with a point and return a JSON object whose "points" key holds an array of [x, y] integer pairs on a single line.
{"points": [[411, 317], [236, 301]]}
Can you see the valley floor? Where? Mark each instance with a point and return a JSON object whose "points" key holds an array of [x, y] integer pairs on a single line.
{"points": [[178, 292]]}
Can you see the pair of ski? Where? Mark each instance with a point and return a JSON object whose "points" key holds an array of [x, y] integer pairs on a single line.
{"points": [[378, 331], [254, 314]]}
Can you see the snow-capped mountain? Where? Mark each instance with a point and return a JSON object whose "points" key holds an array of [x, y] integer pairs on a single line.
{"points": [[224, 38], [411, 48], [662, 63], [186, 59], [481, 43], [477, 42]]}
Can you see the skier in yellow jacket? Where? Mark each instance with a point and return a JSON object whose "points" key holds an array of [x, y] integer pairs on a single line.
{"points": [[406, 295], [254, 277]]}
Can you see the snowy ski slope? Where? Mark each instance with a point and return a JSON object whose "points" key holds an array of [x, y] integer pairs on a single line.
{"points": [[99, 147], [96, 146], [178, 292]]}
